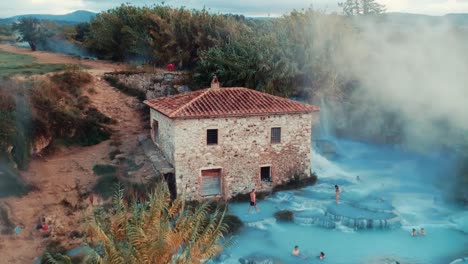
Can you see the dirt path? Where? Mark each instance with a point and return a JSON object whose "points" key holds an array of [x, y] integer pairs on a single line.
{"points": [[63, 174]]}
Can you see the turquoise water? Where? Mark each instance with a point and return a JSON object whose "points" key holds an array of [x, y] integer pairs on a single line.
{"points": [[397, 190]]}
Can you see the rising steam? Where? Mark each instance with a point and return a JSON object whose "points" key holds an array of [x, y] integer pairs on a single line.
{"points": [[416, 71]]}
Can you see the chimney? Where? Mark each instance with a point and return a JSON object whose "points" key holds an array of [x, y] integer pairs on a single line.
{"points": [[215, 82]]}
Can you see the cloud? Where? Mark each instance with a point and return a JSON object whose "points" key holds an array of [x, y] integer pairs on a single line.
{"points": [[246, 7], [18, 7]]}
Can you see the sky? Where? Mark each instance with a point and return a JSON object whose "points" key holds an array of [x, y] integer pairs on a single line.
{"points": [[247, 7]]}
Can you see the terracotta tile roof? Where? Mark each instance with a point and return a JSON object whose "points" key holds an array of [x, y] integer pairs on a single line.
{"points": [[223, 102]]}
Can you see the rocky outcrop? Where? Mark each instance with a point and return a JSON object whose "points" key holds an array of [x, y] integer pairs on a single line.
{"points": [[284, 216], [40, 143], [361, 218], [152, 85]]}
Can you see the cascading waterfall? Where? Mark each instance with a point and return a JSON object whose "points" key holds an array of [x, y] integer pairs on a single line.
{"points": [[373, 221]]}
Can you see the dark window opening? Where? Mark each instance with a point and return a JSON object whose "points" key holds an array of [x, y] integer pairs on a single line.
{"points": [[265, 174], [155, 131], [276, 135], [212, 136]]}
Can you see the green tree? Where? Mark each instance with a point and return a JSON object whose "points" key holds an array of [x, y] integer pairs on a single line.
{"points": [[361, 7], [33, 31], [158, 232], [82, 30]]}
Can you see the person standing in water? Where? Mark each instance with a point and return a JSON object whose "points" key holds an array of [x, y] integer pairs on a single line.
{"points": [[422, 232], [253, 200], [296, 253], [337, 194]]}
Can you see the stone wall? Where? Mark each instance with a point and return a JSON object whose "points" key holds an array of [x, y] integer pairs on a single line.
{"points": [[165, 140], [154, 85], [244, 145]]}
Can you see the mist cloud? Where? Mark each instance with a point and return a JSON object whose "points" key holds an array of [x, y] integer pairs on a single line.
{"points": [[417, 71]]}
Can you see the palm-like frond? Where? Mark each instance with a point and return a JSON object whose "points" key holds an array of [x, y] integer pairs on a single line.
{"points": [[162, 232]]}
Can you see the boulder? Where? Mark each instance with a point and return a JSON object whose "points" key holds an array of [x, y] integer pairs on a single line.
{"points": [[40, 143], [284, 216], [234, 223]]}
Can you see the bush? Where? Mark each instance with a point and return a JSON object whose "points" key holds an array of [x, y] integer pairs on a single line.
{"points": [[94, 115], [103, 169], [105, 185], [72, 80], [6, 224]]}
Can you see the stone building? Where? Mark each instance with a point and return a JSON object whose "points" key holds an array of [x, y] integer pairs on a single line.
{"points": [[226, 141]]}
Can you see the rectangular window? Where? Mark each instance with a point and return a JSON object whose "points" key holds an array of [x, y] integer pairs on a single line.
{"points": [[276, 135], [265, 173], [212, 136], [211, 182]]}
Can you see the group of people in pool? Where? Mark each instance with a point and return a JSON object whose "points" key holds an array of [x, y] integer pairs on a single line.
{"points": [[296, 253], [421, 232], [253, 198]]}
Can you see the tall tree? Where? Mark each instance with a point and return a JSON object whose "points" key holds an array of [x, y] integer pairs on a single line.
{"points": [[361, 7], [32, 30]]}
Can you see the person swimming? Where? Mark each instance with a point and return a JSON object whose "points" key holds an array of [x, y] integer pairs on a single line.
{"points": [[413, 232], [422, 232], [296, 253], [322, 255]]}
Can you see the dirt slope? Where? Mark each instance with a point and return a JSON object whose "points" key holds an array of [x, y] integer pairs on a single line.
{"points": [[60, 175]]}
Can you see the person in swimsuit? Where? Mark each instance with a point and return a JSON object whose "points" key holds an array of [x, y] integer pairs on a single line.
{"points": [[337, 194], [413, 232], [253, 201], [296, 253]]}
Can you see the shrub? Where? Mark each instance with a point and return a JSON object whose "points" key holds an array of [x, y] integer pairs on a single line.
{"points": [[105, 185], [94, 115], [104, 169], [6, 225], [164, 232], [72, 80]]}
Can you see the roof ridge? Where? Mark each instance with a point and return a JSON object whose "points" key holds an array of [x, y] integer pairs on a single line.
{"points": [[173, 114], [282, 99]]}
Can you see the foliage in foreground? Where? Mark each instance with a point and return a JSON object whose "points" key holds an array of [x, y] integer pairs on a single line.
{"points": [[158, 231]]}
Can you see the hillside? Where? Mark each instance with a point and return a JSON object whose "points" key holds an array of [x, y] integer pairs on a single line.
{"points": [[74, 17]]}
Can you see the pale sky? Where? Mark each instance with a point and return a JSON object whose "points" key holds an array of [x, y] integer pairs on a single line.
{"points": [[247, 7]]}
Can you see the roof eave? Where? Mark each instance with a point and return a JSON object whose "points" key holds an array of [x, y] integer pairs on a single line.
{"points": [[244, 115]]}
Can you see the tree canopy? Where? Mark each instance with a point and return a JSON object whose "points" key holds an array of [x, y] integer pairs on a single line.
{"points": [[33, 31], [362, 7]]}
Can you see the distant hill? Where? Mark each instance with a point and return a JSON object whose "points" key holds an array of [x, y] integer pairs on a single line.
{"points": [[73, 18], [460, 19]]}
